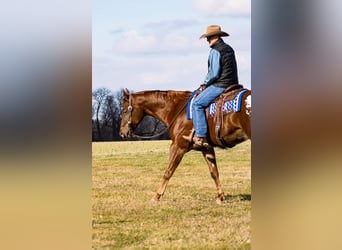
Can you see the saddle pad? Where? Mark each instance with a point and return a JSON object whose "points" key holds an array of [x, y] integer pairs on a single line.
{"points": [[189, 105], [229, 106]]}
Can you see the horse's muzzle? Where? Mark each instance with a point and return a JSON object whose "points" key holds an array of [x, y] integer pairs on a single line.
{"points": [[126, 134]]}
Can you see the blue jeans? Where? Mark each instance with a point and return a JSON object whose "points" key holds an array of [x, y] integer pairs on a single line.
{"points": [[201, 102]]}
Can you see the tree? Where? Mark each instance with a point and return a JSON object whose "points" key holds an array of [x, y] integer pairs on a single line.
{"points": [[106, 118], [99, 96], [112, 115]]}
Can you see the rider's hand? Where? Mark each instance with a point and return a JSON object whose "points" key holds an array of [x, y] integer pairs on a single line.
{"points": [[202, 87]]}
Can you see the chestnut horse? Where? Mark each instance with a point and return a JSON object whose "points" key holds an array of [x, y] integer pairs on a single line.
{"points": [[170, 108]]}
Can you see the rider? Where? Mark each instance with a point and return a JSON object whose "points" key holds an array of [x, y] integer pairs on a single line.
{"points": [[222, 72]]}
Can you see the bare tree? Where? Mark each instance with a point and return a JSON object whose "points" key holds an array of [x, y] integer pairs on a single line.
{"points": [[112, 115], [118, 97], [109, 116], [106, 118], [99, 96]]}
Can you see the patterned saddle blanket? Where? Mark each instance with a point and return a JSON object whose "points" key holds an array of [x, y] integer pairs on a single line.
{"points": [[230, 105]]}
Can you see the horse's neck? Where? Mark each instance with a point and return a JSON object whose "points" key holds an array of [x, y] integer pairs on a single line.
{"points": [[164, 105]]}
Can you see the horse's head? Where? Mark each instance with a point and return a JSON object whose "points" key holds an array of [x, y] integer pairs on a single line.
{"points": [[132, 114]]}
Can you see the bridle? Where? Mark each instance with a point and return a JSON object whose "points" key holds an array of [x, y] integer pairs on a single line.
{"points": [[129, 122]]}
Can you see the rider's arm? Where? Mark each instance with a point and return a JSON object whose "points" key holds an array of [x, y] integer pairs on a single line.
{"points": [[214, 68]]}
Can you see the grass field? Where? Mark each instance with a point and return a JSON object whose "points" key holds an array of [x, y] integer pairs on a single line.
{"points": [[127, 174]]}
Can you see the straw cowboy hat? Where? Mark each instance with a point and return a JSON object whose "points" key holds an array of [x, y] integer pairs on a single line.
{"points": [[214, 30]]}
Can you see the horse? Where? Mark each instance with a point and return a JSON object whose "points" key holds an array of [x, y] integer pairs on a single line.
{"points": [[170, 108]]}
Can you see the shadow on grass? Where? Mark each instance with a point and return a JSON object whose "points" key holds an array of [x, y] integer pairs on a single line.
{"points": [[241, 197]]}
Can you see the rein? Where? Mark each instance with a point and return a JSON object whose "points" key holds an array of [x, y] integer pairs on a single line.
{"points": [[131, 132]]}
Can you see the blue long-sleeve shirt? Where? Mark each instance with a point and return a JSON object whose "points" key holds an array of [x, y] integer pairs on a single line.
{"points": [[214, 67]]}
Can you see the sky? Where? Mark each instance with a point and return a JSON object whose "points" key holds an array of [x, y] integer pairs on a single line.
{"points": [[153, 44]]}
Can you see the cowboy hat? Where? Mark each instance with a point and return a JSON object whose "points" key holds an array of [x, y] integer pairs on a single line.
{"points": [[214, 30]]}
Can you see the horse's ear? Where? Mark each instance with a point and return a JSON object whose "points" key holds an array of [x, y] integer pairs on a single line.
{"points": [[126, 91]]}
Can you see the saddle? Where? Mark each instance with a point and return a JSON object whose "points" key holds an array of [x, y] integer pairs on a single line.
{"points": [[229, 101]]}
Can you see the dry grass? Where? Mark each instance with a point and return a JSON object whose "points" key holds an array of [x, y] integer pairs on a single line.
{"points": [[126, 176]]}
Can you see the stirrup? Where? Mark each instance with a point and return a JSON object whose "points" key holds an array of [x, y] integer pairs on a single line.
{"points": [[190, 136], [201, 143]]}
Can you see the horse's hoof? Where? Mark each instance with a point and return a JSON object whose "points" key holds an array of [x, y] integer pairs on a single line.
{"points": [[156, 197], [219, 201]]}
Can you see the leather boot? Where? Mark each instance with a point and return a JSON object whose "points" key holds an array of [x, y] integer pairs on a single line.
{"points": [[201, 142]]}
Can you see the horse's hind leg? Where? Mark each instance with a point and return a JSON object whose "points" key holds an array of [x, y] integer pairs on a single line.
{"points": [[209, 156], [175, 156]]}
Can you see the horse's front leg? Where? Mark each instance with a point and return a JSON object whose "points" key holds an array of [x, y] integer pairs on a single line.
{"points": [[175, 156], [209, 156]]}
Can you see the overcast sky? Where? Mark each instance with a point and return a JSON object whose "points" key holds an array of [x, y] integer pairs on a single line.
{"points": [[155, 44]]}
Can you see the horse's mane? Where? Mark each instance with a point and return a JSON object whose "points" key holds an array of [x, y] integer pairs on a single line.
{"points": [[164, 94], [157, 91]]}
